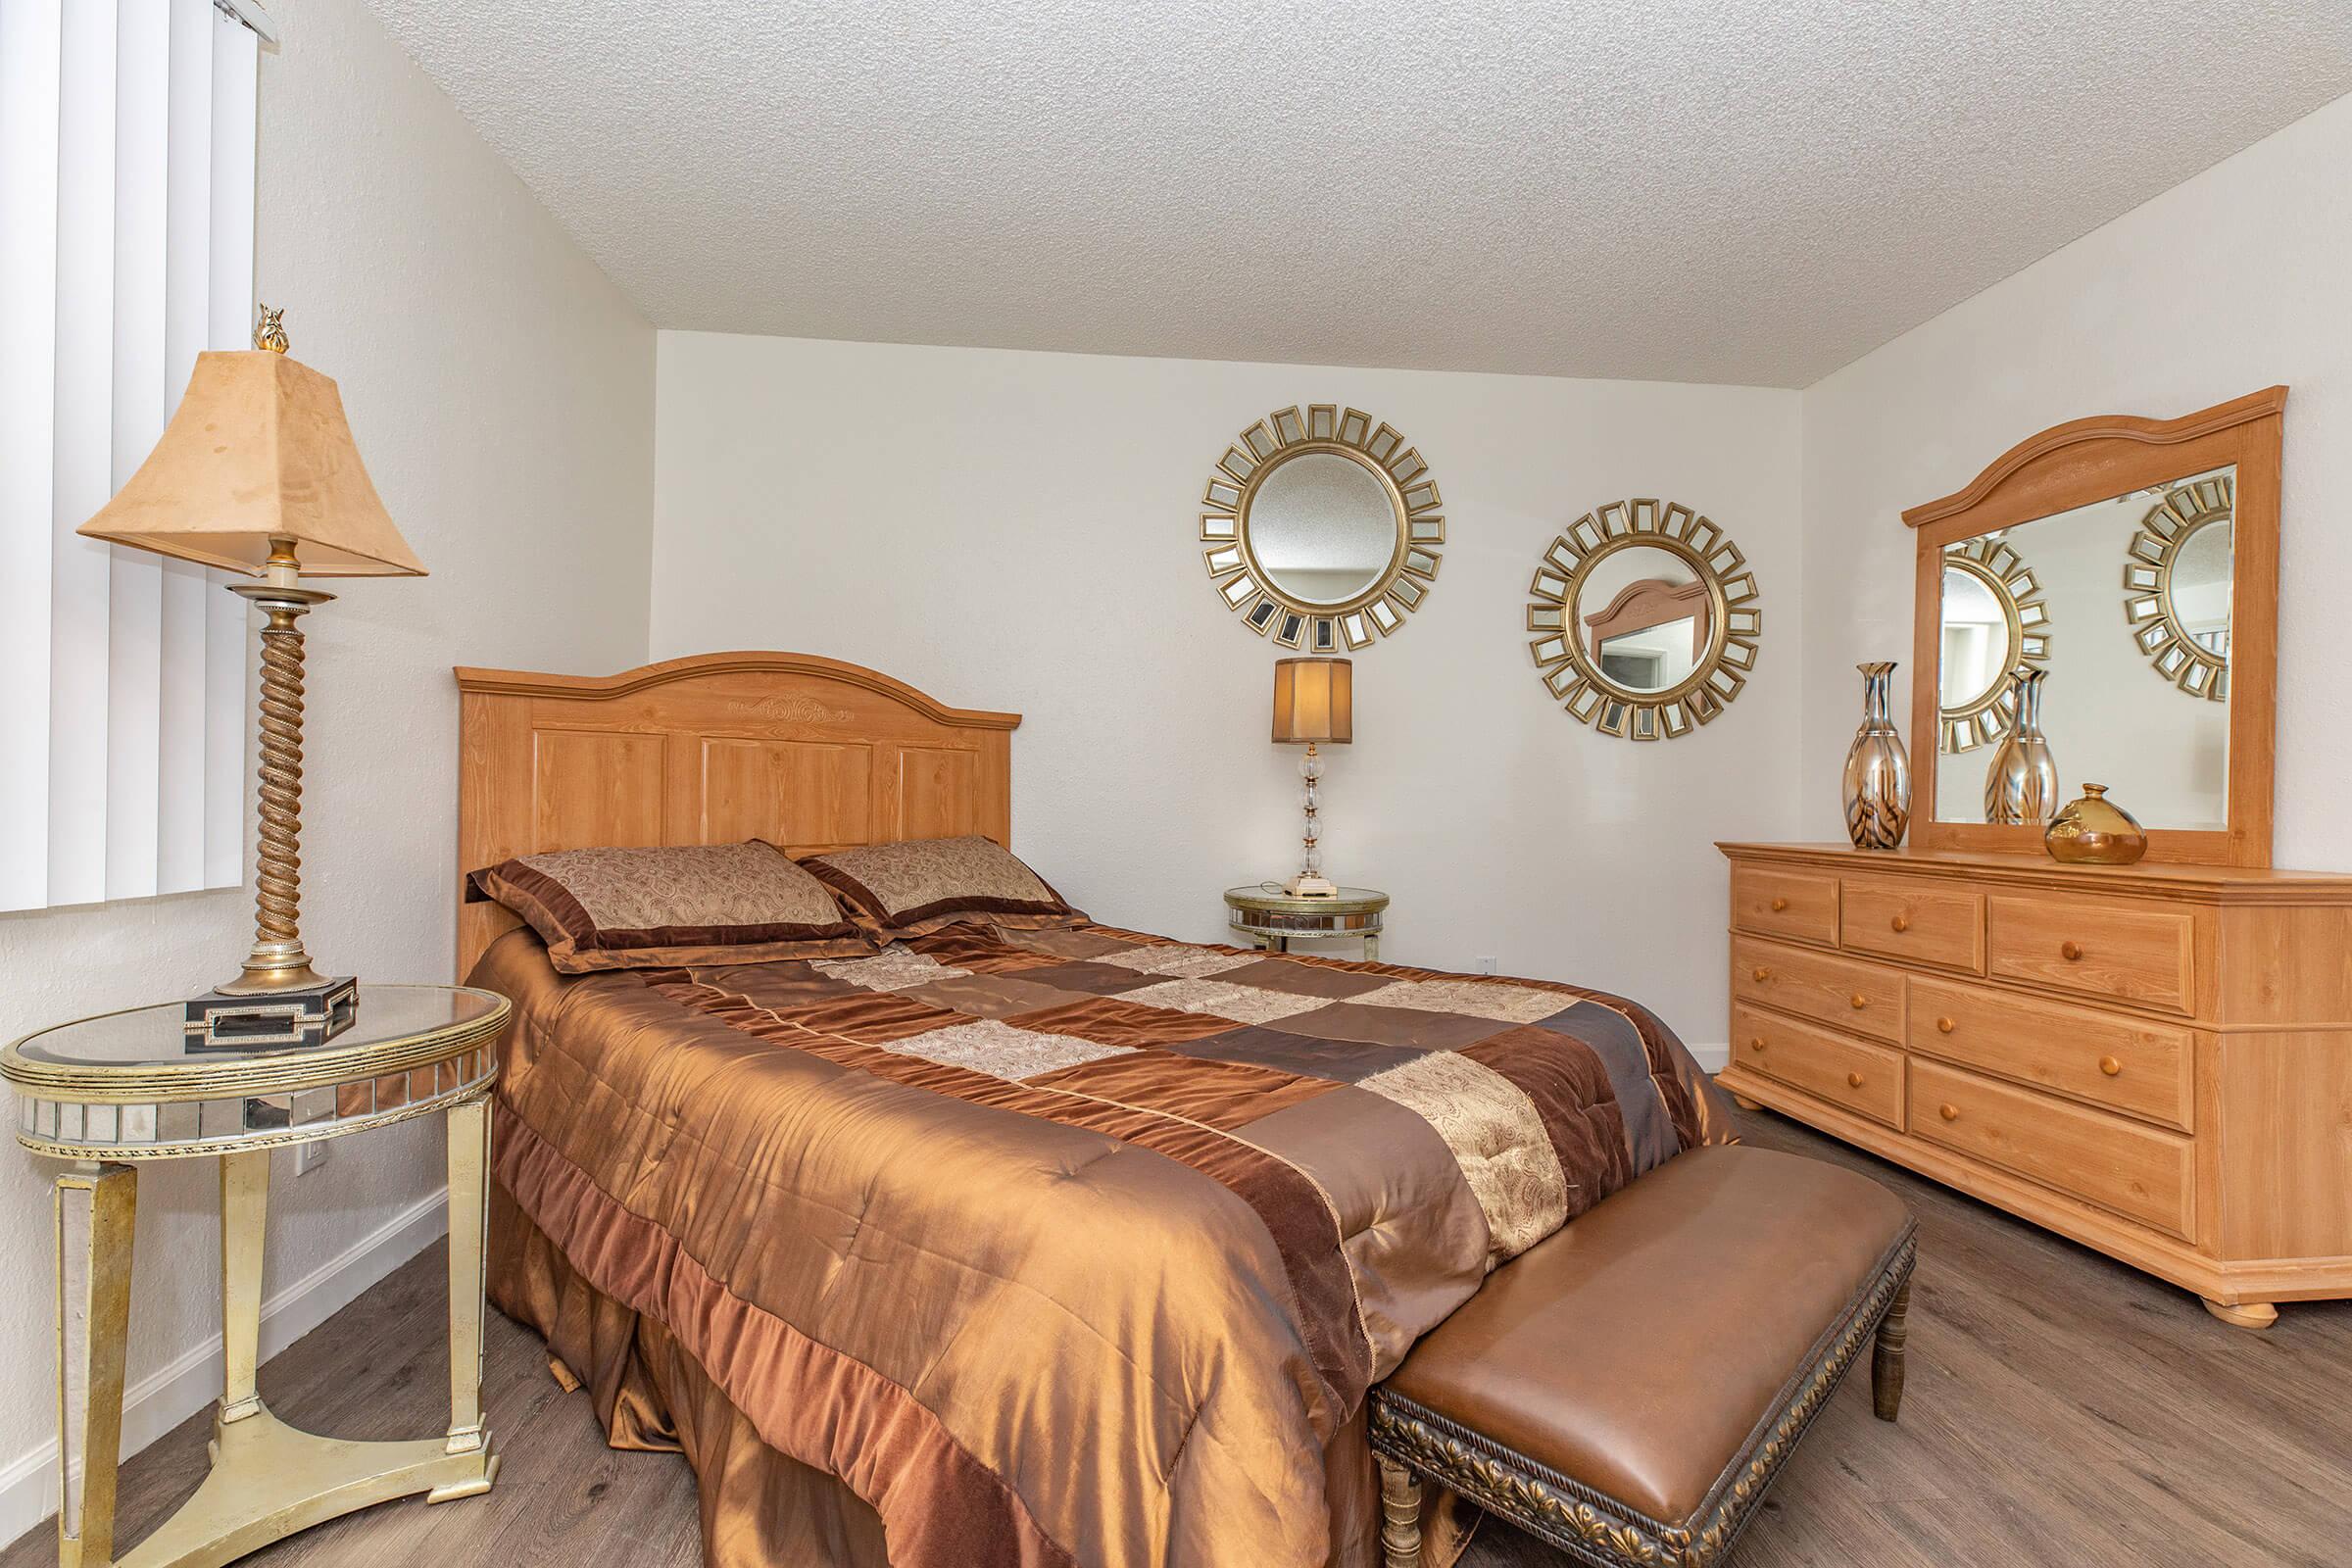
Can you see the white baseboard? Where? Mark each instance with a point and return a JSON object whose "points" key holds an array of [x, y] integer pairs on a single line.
{"points": [[1714, 1055], [190, 1380]]}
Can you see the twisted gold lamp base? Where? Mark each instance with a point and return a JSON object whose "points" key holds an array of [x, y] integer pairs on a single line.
{"points": [[279, 997]]}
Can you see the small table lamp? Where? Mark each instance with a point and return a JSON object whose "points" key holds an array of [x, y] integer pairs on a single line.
{"points": [[1314, 702], [257, 473]]}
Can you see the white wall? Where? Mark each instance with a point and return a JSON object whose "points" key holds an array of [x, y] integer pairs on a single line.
{"points": [[1018, 530], [501, 390], [2231, 282]]}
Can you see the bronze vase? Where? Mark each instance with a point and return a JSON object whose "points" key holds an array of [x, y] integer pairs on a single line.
{"points": [[2095, 831], [2021, 782], [1877, 771]]}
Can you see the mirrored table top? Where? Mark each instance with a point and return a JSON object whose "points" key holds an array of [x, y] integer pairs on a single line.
{"points": [[1270, 896], [137, 1085], [387, 1015]]}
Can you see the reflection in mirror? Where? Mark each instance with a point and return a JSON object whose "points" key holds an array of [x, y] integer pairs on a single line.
{"points": [[2200, 587], [1979, 645], [1994, 622], [1648, 618], [1323, 528], [2178, 584], [2112, 700]]}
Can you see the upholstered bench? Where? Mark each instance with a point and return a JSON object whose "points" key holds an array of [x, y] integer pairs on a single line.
{"points": [[1628, 1389]]}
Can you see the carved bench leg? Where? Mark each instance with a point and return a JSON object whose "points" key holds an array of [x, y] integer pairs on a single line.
{"points": [[1886, 1360], [1401, 1514]]}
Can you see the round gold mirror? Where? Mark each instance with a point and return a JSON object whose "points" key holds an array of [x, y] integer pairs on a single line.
{"points": [[1995, 623], [1646, 619], [1322, 528], [2178, 583]]}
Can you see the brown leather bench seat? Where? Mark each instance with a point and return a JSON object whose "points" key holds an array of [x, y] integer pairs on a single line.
{"points": [[1627, 1388]]}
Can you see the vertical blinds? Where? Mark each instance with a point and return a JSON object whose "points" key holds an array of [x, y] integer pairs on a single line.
{"points": [[127, 179]]}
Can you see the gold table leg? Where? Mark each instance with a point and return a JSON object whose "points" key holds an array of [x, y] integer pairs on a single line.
{"points": [[269, 1480], [244, 1220], [93, 1322], [468, 1237]]}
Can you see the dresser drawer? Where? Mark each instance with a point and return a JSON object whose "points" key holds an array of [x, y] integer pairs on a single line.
{"points": [[2097, 948], [1785, 904], [1919, 922], [2136, 1170], [1863, 998], [1864, 1079], [2123, 1063]]}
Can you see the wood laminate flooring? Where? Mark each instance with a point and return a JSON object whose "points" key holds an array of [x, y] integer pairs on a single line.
{"points": [[2061, 1410]]}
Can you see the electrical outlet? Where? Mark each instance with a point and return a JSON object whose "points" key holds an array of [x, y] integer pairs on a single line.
{"points": [[1486, 965], [309, 1156]]}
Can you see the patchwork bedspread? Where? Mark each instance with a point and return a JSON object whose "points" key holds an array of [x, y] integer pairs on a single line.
{"points": [[1066, 1246]]}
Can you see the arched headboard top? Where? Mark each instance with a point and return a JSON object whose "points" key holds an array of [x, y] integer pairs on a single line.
{"points": [[694, 667], [813, 754]]}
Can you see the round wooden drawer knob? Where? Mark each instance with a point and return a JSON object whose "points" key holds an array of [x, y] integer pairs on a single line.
{"points": [[1756, 1043], [1759, 974], [1853, 1080], [1777, 905], [1948, 1112], [2070, 950], [2110, 1066], [1902, 922], [1944, 1026], [1860, 1001]]}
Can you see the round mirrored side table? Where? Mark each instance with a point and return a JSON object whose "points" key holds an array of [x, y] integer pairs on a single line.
{"points": [[112, 1091], [1270, 917]]}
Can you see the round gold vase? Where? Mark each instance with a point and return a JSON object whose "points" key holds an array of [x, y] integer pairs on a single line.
{"points": [[2095, 831]]}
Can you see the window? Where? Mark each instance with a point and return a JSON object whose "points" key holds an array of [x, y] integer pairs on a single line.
{"points": [[126, 181]]}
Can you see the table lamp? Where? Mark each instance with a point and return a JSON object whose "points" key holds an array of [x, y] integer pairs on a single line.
{"points": [[1314, 702], [257, 473]]}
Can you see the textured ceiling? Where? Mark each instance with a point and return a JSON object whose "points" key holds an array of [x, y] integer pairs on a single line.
{"points": [[1707, 190]]}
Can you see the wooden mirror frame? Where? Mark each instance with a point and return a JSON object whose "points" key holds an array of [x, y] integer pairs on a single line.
{"points": [[2074, 465]]}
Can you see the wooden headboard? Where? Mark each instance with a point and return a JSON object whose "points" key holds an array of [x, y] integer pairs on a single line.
{"points": [[808, 753]]}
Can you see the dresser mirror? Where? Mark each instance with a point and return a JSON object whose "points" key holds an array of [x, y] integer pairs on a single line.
{"points": [[2121, 574], [1322, 528]]}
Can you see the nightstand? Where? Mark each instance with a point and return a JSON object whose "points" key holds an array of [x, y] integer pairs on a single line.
{"points": [[1271, 917], [113, 1092]]}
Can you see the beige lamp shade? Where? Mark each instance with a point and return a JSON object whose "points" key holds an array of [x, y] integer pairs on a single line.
{"points": [[257, 449], [1314, 700]]}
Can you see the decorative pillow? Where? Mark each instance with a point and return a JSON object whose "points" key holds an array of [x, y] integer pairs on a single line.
{"points": [[683, 903], [918, 885]]}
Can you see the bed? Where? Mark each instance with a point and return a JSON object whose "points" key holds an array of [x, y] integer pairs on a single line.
{"points": [[1069, 1246]]}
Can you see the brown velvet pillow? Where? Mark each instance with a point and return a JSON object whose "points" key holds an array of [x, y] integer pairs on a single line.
{"points": [[918, 885], [683, 903]]}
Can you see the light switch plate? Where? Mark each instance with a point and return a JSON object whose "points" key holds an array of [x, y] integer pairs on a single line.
{"points": [[309, 1156]]}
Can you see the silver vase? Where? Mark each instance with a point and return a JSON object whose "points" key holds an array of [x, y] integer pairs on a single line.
{"points": [[1877, 771], [2021, 782]]}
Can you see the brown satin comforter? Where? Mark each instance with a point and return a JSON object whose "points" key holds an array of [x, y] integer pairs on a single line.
{"points": [[1074, 1247]]}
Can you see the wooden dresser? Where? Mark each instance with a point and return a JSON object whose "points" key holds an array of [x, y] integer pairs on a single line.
{"points": [[2155, 1060]]}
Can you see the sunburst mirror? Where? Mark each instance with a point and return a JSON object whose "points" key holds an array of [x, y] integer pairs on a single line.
{"points": [[1646, 619], [2176, 585], [1322, 528], [1996, 623]]}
